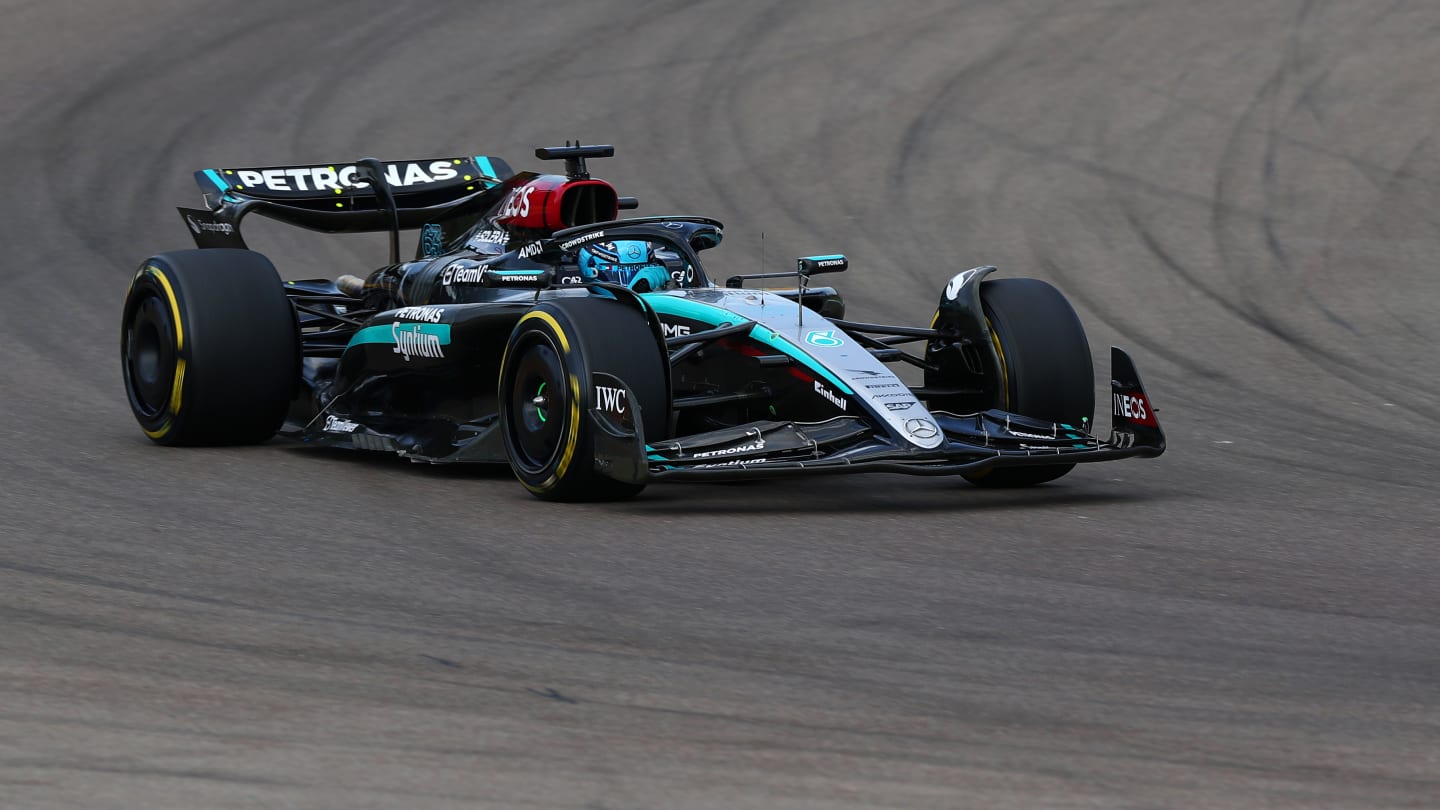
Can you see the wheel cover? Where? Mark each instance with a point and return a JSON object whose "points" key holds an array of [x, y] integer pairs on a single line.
{"points": [[538, 405], [149, 353]]}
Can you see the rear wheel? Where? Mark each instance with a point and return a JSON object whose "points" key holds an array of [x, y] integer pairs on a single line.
{"points": [[209, 348], [548, 385], [1046, 371]]}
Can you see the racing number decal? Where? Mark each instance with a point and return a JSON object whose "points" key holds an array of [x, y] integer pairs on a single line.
{"points": [[518, 203]]}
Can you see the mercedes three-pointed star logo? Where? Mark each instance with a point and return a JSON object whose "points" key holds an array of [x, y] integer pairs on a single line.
{"points": [[921, 429]]}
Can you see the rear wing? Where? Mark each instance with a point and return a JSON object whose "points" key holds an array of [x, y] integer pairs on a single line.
{"points": [[335, 199]]}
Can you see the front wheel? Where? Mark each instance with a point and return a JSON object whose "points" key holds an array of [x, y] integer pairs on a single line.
{"points": [[1045, 366], [549, 382]]}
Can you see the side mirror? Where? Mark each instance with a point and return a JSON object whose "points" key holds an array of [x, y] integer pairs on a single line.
{"points": [[815, 265], [805, 265]]}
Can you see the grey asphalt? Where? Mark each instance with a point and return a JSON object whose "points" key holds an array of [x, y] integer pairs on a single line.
{"points": [[1242, 193]]}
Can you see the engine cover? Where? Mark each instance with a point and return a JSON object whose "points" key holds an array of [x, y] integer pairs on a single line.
{"points": [[552, 202]]}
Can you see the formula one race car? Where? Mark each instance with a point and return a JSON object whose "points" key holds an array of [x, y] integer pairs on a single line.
{"points": [[592, 354]]}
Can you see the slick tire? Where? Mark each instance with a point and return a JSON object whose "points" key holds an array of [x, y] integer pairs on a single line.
{"points": [[1046, 371], [209, 348], [547, 389]]}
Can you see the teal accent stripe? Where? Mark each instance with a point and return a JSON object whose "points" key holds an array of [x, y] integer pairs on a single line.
{"points": [[490, 272], [371, 334], [217, 179], [826, 258], [685, 308], [714, 316], [483, 164], [384, 334]]}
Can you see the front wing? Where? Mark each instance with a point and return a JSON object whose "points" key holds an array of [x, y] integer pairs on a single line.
{"points": [[973, 443]]}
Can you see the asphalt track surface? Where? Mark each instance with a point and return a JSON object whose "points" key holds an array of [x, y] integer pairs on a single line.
{"points": [[1242, 193]]}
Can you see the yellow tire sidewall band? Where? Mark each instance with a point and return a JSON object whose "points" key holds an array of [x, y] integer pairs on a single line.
{"points": [[178, 387], [572, 430], [1004, 367]]}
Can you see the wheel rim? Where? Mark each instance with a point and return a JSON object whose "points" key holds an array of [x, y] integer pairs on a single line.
{"points": [[150, 357], [538, 405]]}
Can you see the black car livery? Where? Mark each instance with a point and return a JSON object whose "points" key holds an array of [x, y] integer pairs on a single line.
{"points": [[495, 342]]}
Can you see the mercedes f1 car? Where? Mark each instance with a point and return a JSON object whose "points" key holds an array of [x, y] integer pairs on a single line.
{"points": [[594, 355]]}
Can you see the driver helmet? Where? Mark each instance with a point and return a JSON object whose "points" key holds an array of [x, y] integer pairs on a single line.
{"points": [[635, 263]]}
